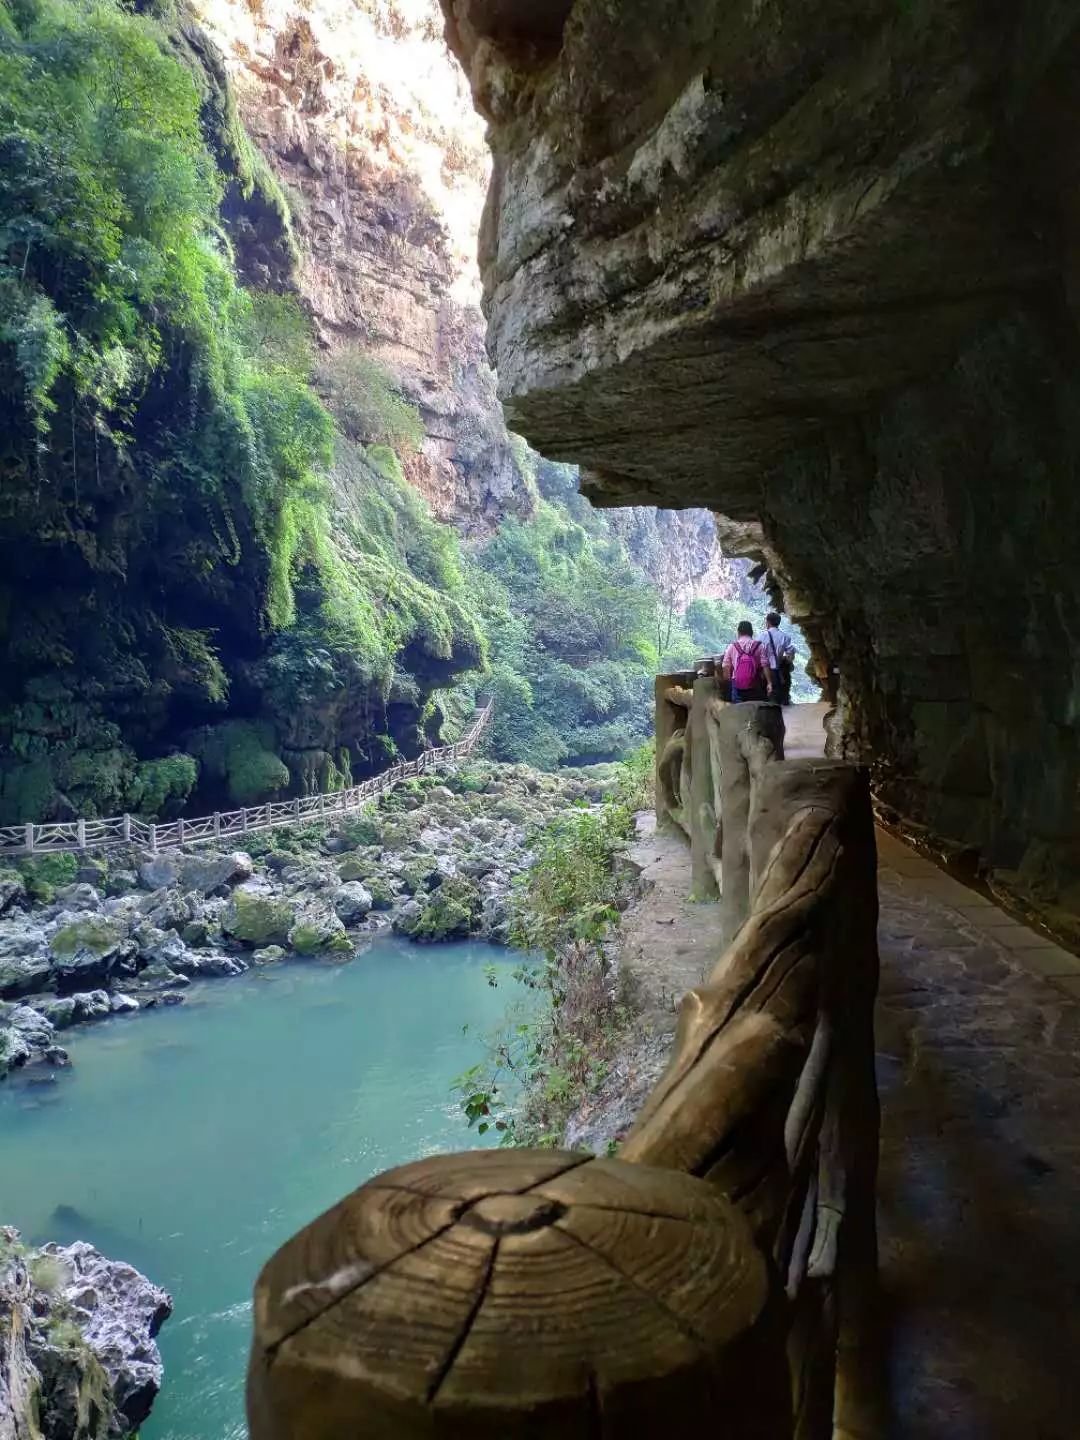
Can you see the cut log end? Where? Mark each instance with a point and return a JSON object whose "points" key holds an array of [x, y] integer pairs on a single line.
{"points": [[513, 1293]]}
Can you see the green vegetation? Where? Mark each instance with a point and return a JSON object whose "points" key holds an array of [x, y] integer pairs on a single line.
{"points": [[569, 621], [160, 785], [315, 938], [449, 912], [368, 405], [171, 484], [241, 754], [552, 1052], [258, 920], [45, 873], [95, 933]]}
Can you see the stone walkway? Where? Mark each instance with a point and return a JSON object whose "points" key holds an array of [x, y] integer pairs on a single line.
{"points": [[979, 1069], [978, 1032]]}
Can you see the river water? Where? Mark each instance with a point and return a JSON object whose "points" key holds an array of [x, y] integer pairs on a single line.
{"points": [[193, 1144]]}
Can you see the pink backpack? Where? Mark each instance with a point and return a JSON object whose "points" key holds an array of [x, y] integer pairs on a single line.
{"points": [[745, 675]]}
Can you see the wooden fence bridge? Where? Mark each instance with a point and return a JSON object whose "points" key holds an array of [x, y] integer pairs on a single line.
{"points": [[227, 824], [715, 1278]]}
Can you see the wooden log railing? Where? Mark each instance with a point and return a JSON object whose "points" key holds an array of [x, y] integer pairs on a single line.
{"points": [[227, 824], [716, 1278]]}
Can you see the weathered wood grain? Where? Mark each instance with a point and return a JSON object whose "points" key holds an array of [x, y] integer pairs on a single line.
{"points": [[514, 1294]]}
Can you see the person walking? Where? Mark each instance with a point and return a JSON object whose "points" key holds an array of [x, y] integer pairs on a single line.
{"points": [[746, 666], [780, 657]]}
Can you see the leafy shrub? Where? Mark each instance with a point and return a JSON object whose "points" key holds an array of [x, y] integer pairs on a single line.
{"points": [[367, 404], [561, 1047]]}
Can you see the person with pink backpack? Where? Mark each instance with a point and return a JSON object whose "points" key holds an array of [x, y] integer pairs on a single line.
{"points": [[746, 665]]}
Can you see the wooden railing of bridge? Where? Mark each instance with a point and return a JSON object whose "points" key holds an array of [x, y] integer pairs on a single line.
{"points": [[718, 1276], [97, 834]]}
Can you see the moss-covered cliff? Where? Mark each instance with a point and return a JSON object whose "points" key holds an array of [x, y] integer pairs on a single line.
{"points": [[203, 586], [815, 267]]}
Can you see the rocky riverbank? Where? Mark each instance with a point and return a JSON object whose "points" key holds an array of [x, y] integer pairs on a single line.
{"points": [[86, 938], [78, 1356]]}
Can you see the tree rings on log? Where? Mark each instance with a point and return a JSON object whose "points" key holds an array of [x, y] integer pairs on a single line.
{"points": [[517, 1293]]}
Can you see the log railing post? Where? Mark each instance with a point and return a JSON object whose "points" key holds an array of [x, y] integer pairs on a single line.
{"points": [[153, 839], [80, 833], [518, 1295], [125, 829], [749, 737], [29, 840], [702, 815], [671, 724]]}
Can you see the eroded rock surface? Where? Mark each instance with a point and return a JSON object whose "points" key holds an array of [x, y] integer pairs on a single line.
{"points": [[815, 267], [78, 1352]]}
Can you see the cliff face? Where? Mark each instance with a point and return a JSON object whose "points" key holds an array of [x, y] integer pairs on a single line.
{"points": [[185, 612], [682, 554], [364, 117], [817, 270]]}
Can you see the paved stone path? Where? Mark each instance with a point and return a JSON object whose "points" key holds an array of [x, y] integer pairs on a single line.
{"points": [[978, 1029]]}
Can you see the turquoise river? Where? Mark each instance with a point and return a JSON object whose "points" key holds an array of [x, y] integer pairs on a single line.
{"points": [[192, 1141]]}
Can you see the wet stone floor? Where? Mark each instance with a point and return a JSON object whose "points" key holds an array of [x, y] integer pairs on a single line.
{"points": [[978, 1031]]}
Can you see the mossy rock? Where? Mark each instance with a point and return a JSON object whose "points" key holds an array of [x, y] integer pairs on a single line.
{"points": [[12, 888], [199, 932], [449, 913], [357, 867], [270, 955], [360, 830], [382, 896], [419, 877], [92, 871], [258, 920], [94, 933], [320, 935], [242, 753], [43, 873], [513, 810], [399, 833]]}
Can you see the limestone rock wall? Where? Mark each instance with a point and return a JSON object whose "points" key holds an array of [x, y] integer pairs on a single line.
{"points": [[682, 553], [815, 267], [364, 116]]}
